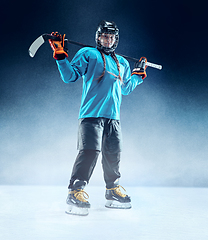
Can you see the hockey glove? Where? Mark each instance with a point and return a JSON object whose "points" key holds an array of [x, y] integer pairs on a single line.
{"points": [[140, 68], [59, 47]]}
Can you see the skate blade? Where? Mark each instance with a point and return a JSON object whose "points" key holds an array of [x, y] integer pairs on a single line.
{"points": [[73, 210], [117, 205]]}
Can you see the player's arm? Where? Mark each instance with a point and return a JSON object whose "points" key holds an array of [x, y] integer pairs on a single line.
{"points": [[72, 71], [130, 81]]}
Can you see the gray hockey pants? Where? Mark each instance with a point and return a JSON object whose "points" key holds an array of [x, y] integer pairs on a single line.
{"points": [[97, 135]]}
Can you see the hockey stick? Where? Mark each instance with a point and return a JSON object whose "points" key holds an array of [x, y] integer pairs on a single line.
{"points": [[44, 37]]}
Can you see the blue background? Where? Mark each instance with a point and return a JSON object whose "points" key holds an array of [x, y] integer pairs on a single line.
{"points": [[164, 120]]}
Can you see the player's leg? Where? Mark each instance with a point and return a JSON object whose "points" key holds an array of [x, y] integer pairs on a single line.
{"points": [[111, 152]]}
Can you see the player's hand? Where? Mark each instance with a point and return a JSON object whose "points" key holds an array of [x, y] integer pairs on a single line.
{"points": [[59, 47], [140, 68]]}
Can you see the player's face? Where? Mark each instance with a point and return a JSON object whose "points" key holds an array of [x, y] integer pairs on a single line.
{"points": [[107, 39]]}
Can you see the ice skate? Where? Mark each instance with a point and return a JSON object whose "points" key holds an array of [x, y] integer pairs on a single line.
{"points": [[76, 202], [116, 199]]}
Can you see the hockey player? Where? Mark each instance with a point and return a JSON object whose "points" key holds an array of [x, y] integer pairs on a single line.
{"points": [[106, 77]]}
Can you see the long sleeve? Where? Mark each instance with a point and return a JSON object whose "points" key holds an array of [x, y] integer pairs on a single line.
{"points": [[72, 71], [129, 82]]}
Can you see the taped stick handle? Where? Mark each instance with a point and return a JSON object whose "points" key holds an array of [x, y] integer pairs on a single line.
{"points": [[153, 65]]}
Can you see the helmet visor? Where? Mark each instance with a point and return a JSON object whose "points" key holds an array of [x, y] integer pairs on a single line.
{"points": [[107, 39]]}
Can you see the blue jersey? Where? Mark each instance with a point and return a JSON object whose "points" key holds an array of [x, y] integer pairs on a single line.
{"points": [[99, 99]]}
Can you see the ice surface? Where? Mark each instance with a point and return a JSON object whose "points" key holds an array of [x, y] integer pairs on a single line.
{"points": [[38, 212]]}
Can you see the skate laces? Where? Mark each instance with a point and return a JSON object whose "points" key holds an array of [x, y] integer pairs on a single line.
{"points": [[118, 191], [81, 195]]}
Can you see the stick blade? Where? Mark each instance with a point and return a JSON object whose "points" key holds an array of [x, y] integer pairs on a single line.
{"points": [[35, 46]]}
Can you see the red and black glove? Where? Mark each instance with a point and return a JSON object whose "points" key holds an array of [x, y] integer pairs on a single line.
{"points": [[140, 68], [59, 47]]}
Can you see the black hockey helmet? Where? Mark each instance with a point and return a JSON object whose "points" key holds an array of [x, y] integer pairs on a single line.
{"points": [[107, 27]]}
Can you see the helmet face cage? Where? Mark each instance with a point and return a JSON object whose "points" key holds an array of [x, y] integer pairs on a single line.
{"points": [[109, 28]]}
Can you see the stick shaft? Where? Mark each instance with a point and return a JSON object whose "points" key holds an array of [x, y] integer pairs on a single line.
{"points": [[153, 65]]}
